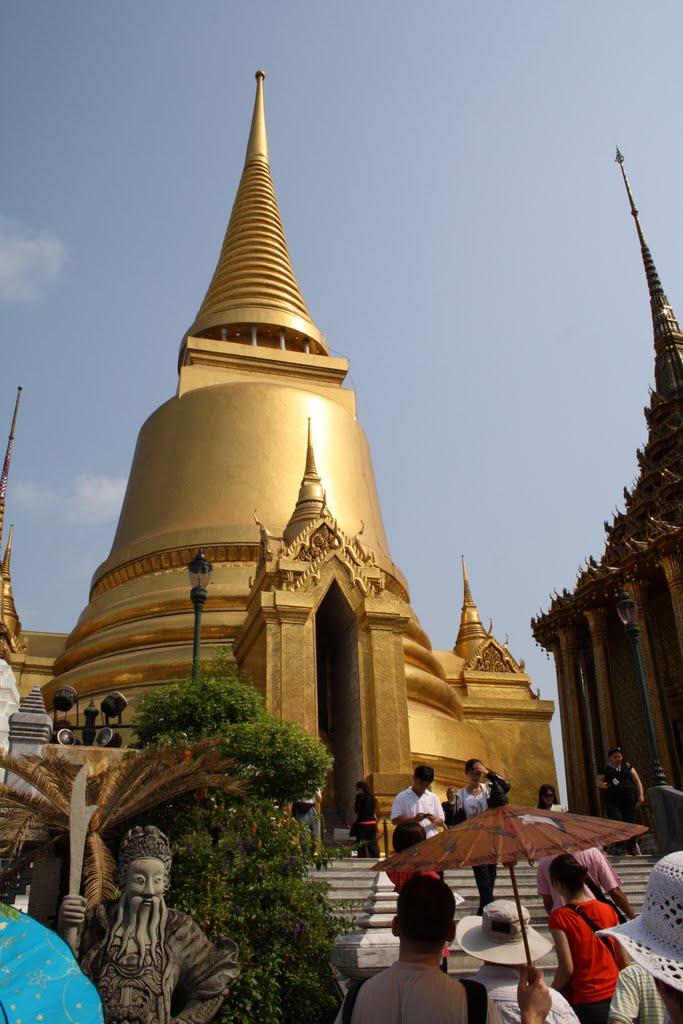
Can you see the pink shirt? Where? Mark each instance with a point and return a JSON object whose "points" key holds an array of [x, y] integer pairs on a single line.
{"points": [[599, 868]]}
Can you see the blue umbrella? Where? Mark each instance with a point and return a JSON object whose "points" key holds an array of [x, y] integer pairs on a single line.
{"points": [[40, 981]]}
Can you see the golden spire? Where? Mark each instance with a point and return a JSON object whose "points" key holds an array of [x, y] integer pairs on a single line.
{"points": [[667, 333], [254, 295], [471, 632], [9, 611], [5, 468], [311, 500]]}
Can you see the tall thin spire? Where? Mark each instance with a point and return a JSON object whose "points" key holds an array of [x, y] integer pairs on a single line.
{"points": [[667, 333], [254, 295], [8, 457], [471, 632], [10, 618], [311, 500]]}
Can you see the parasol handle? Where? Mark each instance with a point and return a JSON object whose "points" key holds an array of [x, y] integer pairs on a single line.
{"points": [[515, 890]]}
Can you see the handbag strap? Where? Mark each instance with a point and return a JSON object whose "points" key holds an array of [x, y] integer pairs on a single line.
{"points": [[594, 928], [604, 898]]}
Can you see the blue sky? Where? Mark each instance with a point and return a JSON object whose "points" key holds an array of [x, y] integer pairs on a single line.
{"points": [[455, 220]]}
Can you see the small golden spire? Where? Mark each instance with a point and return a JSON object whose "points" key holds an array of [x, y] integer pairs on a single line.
{"points": [[253, 292], [667, 333], [10, 619], [471, 632], [311, 500]]}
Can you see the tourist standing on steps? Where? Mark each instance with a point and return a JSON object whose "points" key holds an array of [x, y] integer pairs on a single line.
{"points": [[449, 806], [623, 791], [418, 803], [586, 964], [547, 799], [364, 828], [475, 798]]}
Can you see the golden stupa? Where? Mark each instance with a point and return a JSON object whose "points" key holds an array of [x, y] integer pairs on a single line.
{"points": [[260, 459]]}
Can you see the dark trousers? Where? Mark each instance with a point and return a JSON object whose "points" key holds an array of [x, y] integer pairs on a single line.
{"points": [[485, 877], [366, 837], [592, 1013], [627, 813]]}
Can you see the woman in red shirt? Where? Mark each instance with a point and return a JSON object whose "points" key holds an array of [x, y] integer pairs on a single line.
{"points": [[590, 965]]}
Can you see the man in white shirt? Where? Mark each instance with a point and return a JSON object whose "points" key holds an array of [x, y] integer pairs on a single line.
{"points": [[496, 938], [418, 803], [414, 990]]}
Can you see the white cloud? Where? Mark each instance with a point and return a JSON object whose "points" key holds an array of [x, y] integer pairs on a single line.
{"points": [[91, 498], [29, 261]]}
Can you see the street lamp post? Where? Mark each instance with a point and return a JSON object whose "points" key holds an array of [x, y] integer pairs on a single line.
{"points": [[628, 613], [199, 571]]}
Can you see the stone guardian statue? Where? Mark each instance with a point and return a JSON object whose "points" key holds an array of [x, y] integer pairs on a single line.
{"points": [[150, 964]]}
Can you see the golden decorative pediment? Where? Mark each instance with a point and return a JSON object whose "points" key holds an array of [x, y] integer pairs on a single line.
{"points": [[491, 656]]}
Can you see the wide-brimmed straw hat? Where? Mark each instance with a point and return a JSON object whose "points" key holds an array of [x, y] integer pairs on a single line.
{"points": [[655, 939], [497, 935]]}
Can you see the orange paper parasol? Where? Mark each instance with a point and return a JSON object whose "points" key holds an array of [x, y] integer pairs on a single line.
{"points": [[505, 835]]}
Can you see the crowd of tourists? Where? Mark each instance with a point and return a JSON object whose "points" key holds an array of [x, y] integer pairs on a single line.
{"points": [[613, 967]]}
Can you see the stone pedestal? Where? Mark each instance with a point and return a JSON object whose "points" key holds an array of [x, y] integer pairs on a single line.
{"points": [[667, 812], [9, 701]]}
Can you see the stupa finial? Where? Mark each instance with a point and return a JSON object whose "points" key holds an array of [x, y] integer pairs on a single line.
{"points": [[257, 147], [667, 333], [471, 632], [254, 297]]}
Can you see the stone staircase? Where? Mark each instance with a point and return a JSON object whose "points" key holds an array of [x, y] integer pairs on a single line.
{"points": [[368, 898]]}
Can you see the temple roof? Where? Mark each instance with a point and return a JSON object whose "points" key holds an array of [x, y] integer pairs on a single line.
{"points": [[667, 334], [651, 524], [254, 285]]}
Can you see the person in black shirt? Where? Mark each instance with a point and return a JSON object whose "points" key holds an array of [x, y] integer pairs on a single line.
{"points": [[623, 793], [364, 828], [449, 806]]}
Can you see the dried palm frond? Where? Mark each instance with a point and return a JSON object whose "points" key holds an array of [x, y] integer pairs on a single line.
{"points": [[99, 867], [123, 791]]}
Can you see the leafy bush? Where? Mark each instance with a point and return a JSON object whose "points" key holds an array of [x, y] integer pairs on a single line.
{"points": [[277, 758], [241, 870]]}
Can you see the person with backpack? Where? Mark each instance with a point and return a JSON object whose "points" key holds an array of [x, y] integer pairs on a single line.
{"points": [[587, 966], [413, 990]]}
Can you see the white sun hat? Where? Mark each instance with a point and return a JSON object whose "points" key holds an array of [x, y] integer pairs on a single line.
{"points": [[655, 939], [496, 936]]}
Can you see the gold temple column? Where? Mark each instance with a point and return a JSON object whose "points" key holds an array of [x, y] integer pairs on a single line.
{"points": [[583, 769], [597, 625], [640, 591]]}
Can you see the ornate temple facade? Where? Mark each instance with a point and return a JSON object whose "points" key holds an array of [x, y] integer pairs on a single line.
{"points": [[259, 458], [600, 700]]}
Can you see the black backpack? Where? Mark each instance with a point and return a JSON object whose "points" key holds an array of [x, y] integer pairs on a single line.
{"points": [[477, 1001]]}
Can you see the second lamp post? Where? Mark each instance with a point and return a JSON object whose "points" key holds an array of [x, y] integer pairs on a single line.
{"points": [[199, 571]]}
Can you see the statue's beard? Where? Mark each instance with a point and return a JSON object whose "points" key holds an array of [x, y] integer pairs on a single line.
{"points": [[139, 919]]}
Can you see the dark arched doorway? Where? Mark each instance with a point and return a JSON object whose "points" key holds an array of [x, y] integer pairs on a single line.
{"points": [[338, 690]]}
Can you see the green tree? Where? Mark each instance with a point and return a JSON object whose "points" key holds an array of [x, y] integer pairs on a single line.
{"points": [[278, 759]]}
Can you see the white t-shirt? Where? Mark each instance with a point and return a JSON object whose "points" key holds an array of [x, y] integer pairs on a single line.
{"points": [[407, 804], [413, 994], [474, 804], [501, 984]]}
